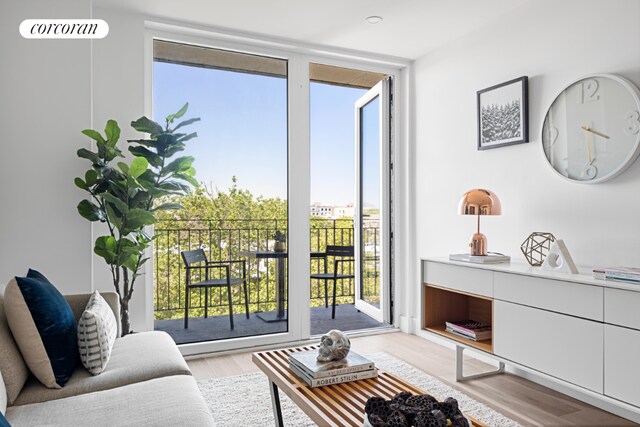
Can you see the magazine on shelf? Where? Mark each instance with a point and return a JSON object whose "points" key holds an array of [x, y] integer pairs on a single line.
{"points": [[307, 362], [613, 273], [480, 259], [477, 331], [336, 379]]}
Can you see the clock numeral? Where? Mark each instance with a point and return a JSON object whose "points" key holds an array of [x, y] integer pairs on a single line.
{"points": [[633, 122], [588, 91]]}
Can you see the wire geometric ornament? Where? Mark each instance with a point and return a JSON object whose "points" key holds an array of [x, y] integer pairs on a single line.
{"points": [[536, 247]]}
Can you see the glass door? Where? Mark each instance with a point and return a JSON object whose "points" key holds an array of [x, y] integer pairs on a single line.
{"points": [[372, 202]]}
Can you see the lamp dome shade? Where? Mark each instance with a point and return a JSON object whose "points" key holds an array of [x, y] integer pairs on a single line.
{"points": [[479, 202]]}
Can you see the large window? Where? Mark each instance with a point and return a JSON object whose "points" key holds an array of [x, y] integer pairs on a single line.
{"points": [[241, 203]]}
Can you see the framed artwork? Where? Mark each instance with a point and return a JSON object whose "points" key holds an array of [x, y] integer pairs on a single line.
{"points": [[503, 114]]}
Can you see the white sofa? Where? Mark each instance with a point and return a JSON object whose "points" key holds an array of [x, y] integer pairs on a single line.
{"points": [[146, 382]]}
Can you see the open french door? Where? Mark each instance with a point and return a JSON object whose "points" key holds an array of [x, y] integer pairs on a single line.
{"points": [[372, 212]]}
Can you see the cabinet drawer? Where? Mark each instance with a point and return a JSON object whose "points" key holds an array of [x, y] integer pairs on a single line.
{"points": [[554, 295], [472, 280], [621, 368], [621, 307], [565, 347]]}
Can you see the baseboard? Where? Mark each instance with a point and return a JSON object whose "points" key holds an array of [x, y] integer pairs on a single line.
{"points": [[605, 403]]}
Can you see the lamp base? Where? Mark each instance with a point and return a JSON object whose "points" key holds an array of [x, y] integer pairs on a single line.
{"points": [[478, 245]]}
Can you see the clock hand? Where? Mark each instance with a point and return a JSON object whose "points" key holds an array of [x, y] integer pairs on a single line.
{"points": [[588, 129], [588, 141]]}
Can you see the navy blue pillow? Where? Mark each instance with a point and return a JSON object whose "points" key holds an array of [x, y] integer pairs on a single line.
{"points": [[54, 321], [3, 421]]}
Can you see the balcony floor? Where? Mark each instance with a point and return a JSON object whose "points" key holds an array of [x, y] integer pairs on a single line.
{"points": [[217, 327]]}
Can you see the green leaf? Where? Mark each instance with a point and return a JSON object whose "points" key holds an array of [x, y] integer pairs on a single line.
{"points": [[112, 131], [179, 114], [90, 177], [95, 135], [188, 137], [167, 207], [123, 167], [118, 203], [186, 123], [151, 157], [138, 218], [105, 247], [83, 153], [178, 165], [90, 211], [143, 124], [131, 263], [111, 153], [138, 166], [146, 142], [80, 183], [115, 220], [188, 178]]}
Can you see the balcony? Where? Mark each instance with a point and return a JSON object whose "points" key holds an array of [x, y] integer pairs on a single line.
{"points": [[227, 239]]}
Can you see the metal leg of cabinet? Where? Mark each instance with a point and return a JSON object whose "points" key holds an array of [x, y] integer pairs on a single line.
{"points": [[460, 363]]}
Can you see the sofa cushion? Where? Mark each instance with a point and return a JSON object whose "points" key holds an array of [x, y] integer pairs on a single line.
{"points": [[12, 366], [168, 401], [3, 395], [134, 358], [43, 325], [96, 334]]}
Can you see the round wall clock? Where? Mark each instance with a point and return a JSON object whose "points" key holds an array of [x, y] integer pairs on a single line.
{"points": [[591, 132]]}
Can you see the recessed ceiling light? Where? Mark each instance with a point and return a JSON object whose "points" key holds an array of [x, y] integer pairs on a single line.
{"points": [[373, 19]]}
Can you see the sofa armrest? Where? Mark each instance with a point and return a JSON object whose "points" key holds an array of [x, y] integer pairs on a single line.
{"points": [[79, 302]]}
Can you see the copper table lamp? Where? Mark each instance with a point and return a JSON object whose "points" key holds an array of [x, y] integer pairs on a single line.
{"points": [[479, 202]]}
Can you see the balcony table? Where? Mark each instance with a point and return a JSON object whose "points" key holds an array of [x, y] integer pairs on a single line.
{"points": [[280, 258]]}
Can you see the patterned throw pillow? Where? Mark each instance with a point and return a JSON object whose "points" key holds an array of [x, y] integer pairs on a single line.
{"points": [[44, 328], [97, 330]]}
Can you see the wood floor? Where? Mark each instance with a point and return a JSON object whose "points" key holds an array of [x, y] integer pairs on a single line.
{"points": [[524, 401]]}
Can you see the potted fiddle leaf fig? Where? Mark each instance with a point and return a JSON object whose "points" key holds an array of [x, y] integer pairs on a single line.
{"points": [[125, 195]]}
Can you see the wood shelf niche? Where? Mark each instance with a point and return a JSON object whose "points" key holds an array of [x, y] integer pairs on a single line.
{"points": [[442, 305]]}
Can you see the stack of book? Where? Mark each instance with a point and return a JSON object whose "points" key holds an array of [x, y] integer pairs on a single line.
{"points": [[353, 367], [621, 274], [480, 259], [470, 329]]}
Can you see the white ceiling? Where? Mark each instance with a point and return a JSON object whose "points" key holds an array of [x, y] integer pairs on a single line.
{"points": [[410, 29]]}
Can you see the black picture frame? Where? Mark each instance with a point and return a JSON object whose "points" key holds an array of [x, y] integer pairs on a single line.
{"points": [[503, 114]]}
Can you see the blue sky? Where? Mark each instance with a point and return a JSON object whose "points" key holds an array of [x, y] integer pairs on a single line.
{"points": [[243, 130]]}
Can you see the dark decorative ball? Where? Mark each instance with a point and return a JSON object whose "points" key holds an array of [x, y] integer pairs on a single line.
{"points": [[459, 421], [401, 397], [377, 421], [377, 406], [423, 401], [426, 419], [449, 407], [440, 417], [397, 419]]}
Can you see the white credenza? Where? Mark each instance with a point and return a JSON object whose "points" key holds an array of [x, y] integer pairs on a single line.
{"points": [[571, 327]]}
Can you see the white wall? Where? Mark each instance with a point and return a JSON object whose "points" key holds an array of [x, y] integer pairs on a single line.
{"points": [[553, 43], [118, 93], [45, 103]]}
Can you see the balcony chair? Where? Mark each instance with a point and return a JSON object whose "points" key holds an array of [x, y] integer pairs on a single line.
{"points": [[342, 255], [197, 259]]}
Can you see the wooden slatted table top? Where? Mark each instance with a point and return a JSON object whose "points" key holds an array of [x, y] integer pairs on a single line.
{"points": [[337, 405]]}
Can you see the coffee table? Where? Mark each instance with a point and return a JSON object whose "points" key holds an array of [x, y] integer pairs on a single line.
{"points": [[337, 405]]}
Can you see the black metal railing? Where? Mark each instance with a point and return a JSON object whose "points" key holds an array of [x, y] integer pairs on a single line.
{"points": [[226, 239]]}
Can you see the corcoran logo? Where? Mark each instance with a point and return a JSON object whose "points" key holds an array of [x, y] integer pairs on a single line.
{"points": [[64, 29]]}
